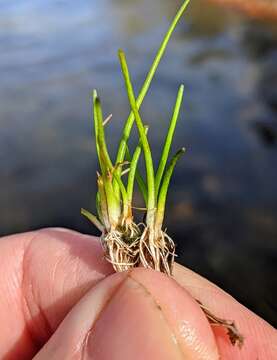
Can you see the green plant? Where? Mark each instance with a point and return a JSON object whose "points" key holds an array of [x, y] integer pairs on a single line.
{"points": [[127, 244], [156, 248]]}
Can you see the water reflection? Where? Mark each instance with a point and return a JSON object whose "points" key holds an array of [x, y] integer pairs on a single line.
{"points": [[223, 203]]}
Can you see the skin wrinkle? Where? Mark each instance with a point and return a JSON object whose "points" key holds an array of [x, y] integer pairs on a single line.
{"points": [[104, 306], [51, 232], [25, 283], [53, 272], [159, 308], [26, 310]]}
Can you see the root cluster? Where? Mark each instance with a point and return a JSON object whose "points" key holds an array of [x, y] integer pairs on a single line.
{"points": [[121, 246], [157, 252], [132, 246]]}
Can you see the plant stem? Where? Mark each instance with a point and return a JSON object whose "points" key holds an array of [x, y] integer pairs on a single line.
{"points": [[100, 140], [130, 120], [103, 202], [164, 189], [98, 207], [92, 218], [168, 140], [123, 195], [95, 121], [139, 178], [113, 202], [133, 170], [151, 201]]}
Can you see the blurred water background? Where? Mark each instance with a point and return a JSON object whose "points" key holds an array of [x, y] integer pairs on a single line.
{"points": [[222, 207]]}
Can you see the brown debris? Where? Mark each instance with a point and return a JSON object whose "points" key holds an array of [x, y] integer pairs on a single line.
{"points": [[236, 338]]}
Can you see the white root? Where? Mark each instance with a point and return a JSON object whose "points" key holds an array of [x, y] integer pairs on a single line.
{"points": [[157, 252], [121, 247], [130, 247]]}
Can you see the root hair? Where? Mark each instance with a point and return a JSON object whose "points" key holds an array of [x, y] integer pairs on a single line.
{"points": [[121, 246], [156, 251]]}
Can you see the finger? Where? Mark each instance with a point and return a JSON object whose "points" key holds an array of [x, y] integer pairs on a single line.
{"points": [[137, 315], [260, 338], [58, 267], [43, 274]]}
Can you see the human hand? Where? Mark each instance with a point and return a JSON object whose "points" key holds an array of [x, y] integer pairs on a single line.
{"points": [[61, 300]]}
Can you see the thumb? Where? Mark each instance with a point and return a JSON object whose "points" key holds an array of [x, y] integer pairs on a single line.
{"points": [[140, 314]]}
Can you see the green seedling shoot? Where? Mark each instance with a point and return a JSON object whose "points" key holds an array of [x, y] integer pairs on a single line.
{"points": [[126, 242]]}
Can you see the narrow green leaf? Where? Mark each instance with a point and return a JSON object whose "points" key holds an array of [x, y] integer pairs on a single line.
{"points": [[92, 218], [151, 202], [103, 202], [101, 141], [168, 140], [147, 82], [133, 170], [113, 202], [98, 207], [138, 177], [95, 121], [123, 194], [164, 188]]}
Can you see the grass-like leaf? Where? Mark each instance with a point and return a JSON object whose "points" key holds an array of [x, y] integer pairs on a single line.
{"points": [[133, 171], [139, 179], [95, 123], [103, 205], [130, 120], [98, 207], [113, 202], [104, 157], [164, 189], [151, 201], [168, 140], [123, 195], [92, 218]]}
